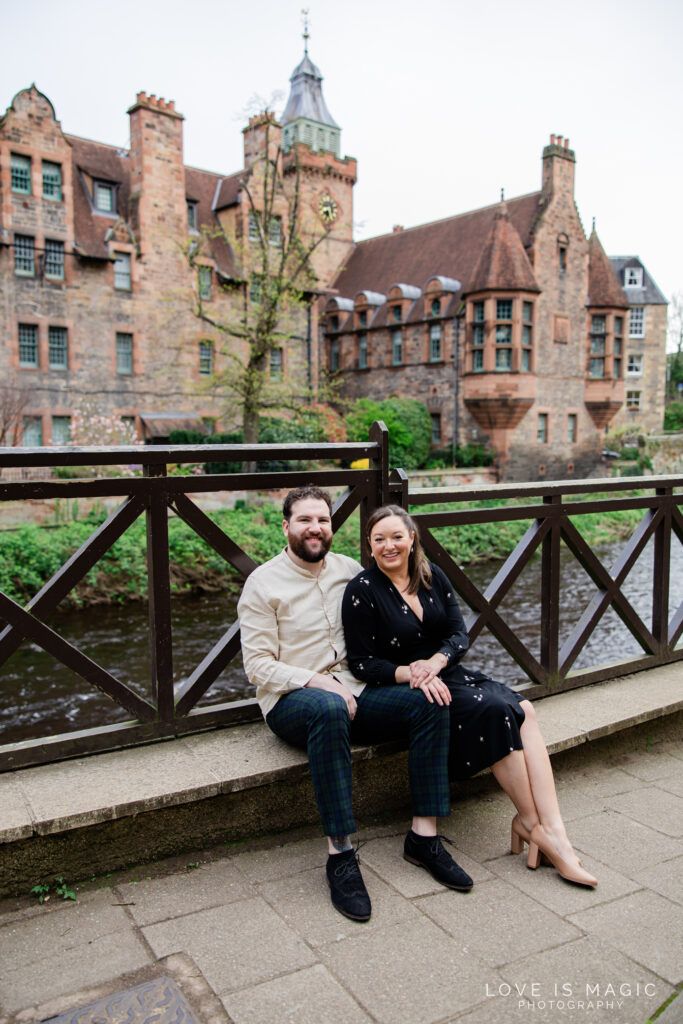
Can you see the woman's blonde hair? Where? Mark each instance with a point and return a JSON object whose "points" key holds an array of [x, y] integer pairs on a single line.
{"points": [[419, 571]]}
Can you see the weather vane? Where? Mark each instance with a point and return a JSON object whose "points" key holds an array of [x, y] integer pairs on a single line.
{"points": [[304, 11]]}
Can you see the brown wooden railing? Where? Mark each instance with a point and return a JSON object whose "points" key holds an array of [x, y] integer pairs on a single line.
{"points": [[165, 712]]}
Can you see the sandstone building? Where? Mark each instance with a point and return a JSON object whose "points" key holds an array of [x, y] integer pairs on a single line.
{"points": [[509, 323]]}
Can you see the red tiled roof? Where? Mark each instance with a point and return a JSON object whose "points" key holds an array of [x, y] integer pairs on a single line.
{"points": [[603, 284], [229, 190], [503, 262], [448, 247]]}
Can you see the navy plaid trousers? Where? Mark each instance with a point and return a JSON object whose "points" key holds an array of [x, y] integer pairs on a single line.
{"points": [[319, 722]]}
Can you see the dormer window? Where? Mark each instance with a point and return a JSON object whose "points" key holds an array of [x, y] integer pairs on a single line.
{"points": [[104, 196], [396, 314], [633, 277], [363, 318], [334, 323], [435, 309]]}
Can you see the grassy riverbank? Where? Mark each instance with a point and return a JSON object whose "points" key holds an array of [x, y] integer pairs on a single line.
{"points": [[31, 555]]}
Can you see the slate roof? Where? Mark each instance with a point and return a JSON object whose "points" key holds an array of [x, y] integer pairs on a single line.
{"points": [[449, 247], [604, 289], [210, 191], [649, 294], [105, 163], [306, 95]]}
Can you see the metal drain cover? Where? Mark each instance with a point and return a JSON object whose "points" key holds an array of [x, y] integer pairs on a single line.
{"points": [[159, 1000]]}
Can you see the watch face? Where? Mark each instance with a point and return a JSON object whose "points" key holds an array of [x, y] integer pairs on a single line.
{"points": [[328, 208]]}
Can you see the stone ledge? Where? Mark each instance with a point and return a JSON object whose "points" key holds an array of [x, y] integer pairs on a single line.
{"points": [[126, 806]]}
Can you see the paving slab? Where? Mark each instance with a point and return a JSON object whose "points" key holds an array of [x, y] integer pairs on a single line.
{"points": [[577, 977], [672, 783], [602, 781], [309, 996], [651, 806], [650, 765], [284, 860], [234, 946], [34, 939], [69, 968], [480, 826], [185, 892], [409, 973], [546, 887], [107, 786], [498, 923], [303, 902], [645, 927], [622, 843], [385, 857], [665, 878]]}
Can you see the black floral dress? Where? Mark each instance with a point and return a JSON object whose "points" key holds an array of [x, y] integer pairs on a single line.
{"points": [[382, 631]]}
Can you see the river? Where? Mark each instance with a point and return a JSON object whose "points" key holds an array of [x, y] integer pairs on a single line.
{"points": [[39, 696]]}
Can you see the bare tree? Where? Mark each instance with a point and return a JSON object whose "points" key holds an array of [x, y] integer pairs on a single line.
{"points": [[15, 398], [277, 288], [675, 344]]}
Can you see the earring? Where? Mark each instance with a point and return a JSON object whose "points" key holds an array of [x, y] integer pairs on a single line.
{"points": [[412, 549]]}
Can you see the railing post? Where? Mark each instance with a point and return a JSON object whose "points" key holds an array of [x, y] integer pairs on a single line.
{"points": [[550, 592], [661, 573], [380, 481], [160, 637]]}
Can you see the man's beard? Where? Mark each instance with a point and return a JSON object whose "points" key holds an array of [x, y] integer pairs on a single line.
{"points": [[298, 547]]}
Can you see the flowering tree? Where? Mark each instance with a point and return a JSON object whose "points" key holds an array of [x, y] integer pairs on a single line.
{"points": [[89, 427]]}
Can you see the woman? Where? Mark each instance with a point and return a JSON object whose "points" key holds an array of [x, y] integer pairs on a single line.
{"points": [[403, 625]]}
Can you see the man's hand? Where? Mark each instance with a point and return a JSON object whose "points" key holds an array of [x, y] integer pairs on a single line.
{"points": [[321, 682]]}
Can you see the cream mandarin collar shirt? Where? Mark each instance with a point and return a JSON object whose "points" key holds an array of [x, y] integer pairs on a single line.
{"points": [[291, 626]]}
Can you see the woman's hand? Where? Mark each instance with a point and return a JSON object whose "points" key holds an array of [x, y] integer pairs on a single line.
{"points": [[435, 690], [424, 670]]}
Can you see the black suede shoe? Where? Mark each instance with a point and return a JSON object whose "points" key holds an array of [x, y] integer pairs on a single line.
{"points": [[347, 888], [428, 852]]}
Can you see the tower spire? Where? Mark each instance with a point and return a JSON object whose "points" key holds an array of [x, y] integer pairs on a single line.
{"points": [[304, 12]]}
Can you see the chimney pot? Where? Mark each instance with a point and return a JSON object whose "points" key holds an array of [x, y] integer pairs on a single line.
{"points": [[566, 143], [552, 140], [397, 228]]}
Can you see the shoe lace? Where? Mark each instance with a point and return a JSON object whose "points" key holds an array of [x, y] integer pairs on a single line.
{"points": [[348, 872], [436, 848]]}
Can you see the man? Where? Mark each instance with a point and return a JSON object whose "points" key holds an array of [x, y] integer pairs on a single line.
{"points": [[294, 654]]}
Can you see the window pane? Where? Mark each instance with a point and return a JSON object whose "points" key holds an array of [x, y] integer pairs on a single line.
{"points": [[275, 233], [124, 353], [527, 309], [396, 314], [542, 428], [571, 427], [61, 430], [435, 342], [28, 345], [503, 358], [253, 227], [637, 325], [205, 358], [478, 337], [21, 174], [57, 339], [276, 364], [24, 256], [598, 325], [526, 336], [362, 351], [122, 271], [334, 355], [32, 433], [103, 196], [503, 334], [617, 369], [396, 347], [618, 325], [526, 360], [204, 282], [54, 260], [52, 180], [597, 368], [478, 361], [504, 309], [598, 345], [436, 427], [478, 312], [192, 216], [436, 307]]}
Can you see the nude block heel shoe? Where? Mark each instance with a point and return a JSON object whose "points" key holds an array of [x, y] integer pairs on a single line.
{"points": [[540, 845], [518, 835]]}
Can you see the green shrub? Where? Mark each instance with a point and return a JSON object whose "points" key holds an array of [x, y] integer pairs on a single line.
{"points": [[673, 416], [408, 422]]}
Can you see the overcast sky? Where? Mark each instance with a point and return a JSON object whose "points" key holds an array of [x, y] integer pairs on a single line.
{"points": [[442, 102]]}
